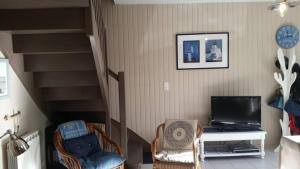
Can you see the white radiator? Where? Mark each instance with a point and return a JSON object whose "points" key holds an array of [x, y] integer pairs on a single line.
{"points": [[31, 159]]}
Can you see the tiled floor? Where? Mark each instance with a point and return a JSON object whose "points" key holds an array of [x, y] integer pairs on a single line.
{"points": [[270, 162]]}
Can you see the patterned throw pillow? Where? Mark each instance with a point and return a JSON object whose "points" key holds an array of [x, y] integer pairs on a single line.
{"points": [[72, 129], [179, 134]]}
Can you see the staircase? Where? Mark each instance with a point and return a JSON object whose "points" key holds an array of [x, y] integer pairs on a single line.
{"points": [[58, 51]]}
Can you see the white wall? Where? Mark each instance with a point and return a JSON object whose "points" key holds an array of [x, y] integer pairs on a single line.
{"points": [[31, 118], [141, 42], [19, 99]]}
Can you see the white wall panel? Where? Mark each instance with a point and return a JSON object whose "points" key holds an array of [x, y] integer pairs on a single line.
{"points": [[141, 42]]}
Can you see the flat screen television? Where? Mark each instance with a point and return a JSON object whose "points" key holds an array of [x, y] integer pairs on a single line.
{"points": [[236, 110]]}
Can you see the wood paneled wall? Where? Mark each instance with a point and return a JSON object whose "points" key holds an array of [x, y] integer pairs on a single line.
{"points": [[141, 42]]}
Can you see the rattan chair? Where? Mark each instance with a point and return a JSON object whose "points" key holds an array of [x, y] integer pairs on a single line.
{"points": [[71, 162], [157, 147]]}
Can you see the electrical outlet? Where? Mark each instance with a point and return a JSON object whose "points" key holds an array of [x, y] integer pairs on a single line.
{"points": [[166, 86]]}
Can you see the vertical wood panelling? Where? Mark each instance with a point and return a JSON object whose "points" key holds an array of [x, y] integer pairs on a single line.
{"points": [[142, 42]]}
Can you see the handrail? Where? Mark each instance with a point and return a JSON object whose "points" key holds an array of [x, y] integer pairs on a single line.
{"points": [[99, 49], [99, 52]]}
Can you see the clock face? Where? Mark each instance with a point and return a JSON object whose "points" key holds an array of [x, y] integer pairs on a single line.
{"points": [[287, 36]]}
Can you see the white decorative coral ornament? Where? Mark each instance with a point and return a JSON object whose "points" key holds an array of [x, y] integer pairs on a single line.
{"points": [[285, 82]]}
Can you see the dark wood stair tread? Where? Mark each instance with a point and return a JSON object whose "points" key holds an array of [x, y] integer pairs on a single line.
{"points": [[51, 42], [38, 19], [76, 106], [88, 116], [66, 79], [59, 62], [71, 93]]}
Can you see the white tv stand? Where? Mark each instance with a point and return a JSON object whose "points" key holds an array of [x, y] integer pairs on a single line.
{"points": [[232, 136]]}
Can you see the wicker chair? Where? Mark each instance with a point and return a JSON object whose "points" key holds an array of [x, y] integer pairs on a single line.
{"points": [[71, 162], [157, 147]]}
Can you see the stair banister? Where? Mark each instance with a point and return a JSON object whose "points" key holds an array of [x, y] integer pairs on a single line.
{"points": [[120, 78], [98, 43], [99, 52]]}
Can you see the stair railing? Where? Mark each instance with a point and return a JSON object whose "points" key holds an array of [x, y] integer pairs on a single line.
{"points": [[120, 78], [97, 37], [98, 42]]}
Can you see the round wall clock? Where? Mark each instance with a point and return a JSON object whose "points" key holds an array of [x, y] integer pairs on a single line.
{"points": [[287, 36]]}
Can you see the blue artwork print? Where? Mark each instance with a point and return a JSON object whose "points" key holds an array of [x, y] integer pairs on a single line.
{"points": [[191, 52], [213, 50]]}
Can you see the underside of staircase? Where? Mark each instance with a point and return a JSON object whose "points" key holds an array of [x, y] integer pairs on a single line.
{"points": [[56, 48]]}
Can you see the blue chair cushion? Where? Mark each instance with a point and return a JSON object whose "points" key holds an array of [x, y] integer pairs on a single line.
{"points": [[72, 129], [101, 160], [82, 146]]}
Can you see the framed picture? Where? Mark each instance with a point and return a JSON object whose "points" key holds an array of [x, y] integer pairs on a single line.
{"points": [[202, 50], [3, 77]]}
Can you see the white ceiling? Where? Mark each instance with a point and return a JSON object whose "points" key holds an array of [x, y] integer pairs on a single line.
{"points": [[182, 1]]}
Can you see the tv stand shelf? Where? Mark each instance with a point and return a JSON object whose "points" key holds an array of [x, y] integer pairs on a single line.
{"points": [[215, 136]]}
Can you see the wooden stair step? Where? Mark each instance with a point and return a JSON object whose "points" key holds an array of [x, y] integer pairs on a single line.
{"points": [[76, 106], [71, 93], [66, 79], [51, 43], [88, 116], [59, 62], [39, 19]]}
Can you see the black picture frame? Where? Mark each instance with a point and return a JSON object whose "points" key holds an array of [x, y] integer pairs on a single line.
{"points": [[190, 62]]}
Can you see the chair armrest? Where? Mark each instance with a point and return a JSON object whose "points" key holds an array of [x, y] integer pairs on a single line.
{"points": [[117, 149], [197, 141], [196, 146], [196, 152], [154, 148], [69, 160], [155, 141], [106, 140]]}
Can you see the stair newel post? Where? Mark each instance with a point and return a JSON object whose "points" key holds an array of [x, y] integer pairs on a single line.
{"points": [[285, 81], [122, 108]]}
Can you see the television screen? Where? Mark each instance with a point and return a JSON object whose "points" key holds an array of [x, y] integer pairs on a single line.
{"points": [[236, 109]]}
